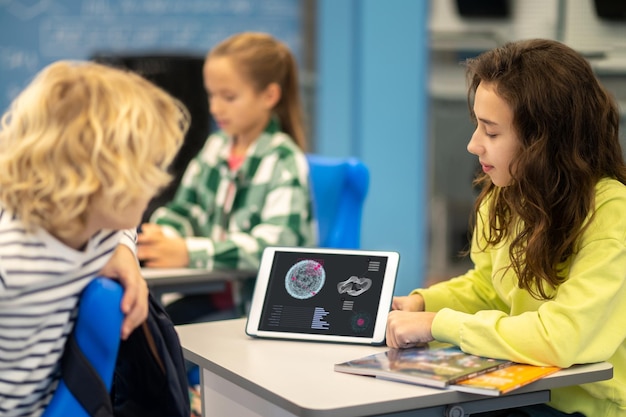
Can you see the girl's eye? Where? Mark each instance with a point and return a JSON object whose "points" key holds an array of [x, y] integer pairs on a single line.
{"points": [[491, 135]]}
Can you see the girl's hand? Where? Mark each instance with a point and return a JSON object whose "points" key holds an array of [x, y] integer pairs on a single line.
{"points": [[407, 329], [414, 302], [156, 250], [124, 268]]}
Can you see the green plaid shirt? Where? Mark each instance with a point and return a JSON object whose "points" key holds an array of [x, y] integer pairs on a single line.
{"points": [[228, 218]]}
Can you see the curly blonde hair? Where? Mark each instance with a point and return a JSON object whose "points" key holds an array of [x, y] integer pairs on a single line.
{"points": [[81, 130]]}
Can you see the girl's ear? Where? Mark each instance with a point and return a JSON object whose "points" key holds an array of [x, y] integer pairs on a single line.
{"points": [[272, 94]]}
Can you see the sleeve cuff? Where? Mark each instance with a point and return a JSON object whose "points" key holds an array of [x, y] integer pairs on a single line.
{"points": [[169, 231], [435, 298], [201, 252], [447, 326], [129, 241]]}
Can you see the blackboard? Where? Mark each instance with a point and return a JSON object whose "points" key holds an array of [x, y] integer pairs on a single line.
{"points": [[34, 33]]}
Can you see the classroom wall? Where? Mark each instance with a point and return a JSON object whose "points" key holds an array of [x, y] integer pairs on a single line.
{"points": [[372, 103], [34, 33]]}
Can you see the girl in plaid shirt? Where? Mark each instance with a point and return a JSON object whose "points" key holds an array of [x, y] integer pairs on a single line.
{"points": [[248, 187]]}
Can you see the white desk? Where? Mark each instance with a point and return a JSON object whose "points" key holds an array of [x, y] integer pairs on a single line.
{"points": [[245, 377], [189, 281]]}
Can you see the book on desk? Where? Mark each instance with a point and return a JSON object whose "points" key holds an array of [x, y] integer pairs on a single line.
{"points": [[446, 366], [504, 380], [433, 366]]}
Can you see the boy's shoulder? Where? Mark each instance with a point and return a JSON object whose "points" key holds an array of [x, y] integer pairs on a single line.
{"points": [[12, 230]]}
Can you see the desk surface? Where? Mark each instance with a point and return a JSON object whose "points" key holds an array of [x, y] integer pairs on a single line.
{"points": [[167, 276], [190, 281], [299, 377]]}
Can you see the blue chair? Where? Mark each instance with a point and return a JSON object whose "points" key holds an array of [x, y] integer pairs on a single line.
{"points": [[97, 330], [339, 187]]}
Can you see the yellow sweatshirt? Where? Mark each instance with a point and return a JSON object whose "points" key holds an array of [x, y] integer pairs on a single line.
{"points": [[485, 313]]}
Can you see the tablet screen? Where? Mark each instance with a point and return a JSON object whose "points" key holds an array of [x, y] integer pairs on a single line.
{"points": [[339, 293]]}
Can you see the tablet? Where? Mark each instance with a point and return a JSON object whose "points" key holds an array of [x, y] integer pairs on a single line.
{"points": [[326, 295]]}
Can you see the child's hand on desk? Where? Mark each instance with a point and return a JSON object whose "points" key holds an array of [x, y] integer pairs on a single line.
{"points": [[156, 250], [407, 329], [414, 302]]}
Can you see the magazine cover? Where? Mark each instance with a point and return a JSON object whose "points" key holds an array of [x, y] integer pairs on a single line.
{"points": [[504, 380], [431, 366]]}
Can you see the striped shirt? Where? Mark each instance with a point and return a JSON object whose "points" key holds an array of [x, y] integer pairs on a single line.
{"points": [[40, 283]]}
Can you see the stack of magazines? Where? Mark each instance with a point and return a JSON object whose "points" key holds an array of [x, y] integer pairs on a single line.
{"points": [[447, 366]]}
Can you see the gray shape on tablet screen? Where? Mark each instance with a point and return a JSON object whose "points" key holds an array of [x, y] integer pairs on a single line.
{"points": [[354, 286]]}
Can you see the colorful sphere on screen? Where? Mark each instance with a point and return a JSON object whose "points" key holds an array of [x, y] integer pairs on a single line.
{"points": [[305, 279]]}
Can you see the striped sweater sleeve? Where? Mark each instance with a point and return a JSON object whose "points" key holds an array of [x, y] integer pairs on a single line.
{"points": [[40, 283]]}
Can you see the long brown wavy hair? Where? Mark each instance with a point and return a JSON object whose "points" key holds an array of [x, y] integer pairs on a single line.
{"points": [[568, 126]]}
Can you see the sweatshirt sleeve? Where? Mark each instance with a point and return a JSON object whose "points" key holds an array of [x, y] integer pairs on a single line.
{"points": [[472, 291], [582, 323]]}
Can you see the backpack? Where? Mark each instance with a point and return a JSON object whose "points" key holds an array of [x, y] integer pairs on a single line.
{"points": [[149, 377]]}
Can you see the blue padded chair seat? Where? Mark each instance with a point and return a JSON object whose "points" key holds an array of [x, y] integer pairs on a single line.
{"points": [[97, 329]]}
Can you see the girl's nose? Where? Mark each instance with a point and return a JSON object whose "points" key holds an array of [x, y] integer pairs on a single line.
{"points": [[473, 146], [214, 105]]}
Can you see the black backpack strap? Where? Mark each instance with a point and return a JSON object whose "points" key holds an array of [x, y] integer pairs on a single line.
{"points": [[84, 382], [150, 378]]}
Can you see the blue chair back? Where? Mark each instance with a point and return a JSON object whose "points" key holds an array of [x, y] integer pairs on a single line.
{"points": [[339, 187], [97, 330]]}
